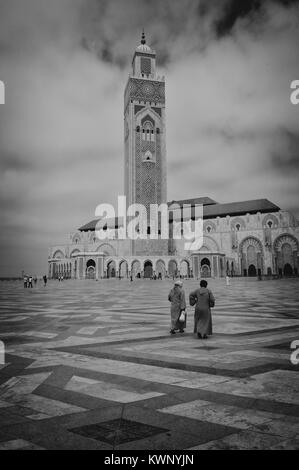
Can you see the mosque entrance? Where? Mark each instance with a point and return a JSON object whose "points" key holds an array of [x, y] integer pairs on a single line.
{"points": [[111, 269], [287, 270], [148, 269], [252, 270], [90, 269], [205, 269]]}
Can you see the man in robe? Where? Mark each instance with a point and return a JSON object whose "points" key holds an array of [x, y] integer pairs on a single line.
{"points": [[178, 304], [203, 300]]}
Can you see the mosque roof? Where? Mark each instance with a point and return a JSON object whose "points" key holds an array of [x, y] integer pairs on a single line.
{"points": [[110, 223], [211, 209], [193, 201], [239, 208]]}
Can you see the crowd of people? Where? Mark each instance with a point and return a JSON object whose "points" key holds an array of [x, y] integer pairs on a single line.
{"points": [[202, 299]]}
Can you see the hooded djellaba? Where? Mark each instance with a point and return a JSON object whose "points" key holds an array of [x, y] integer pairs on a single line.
{"points": [[178, 304], [203, 300]]}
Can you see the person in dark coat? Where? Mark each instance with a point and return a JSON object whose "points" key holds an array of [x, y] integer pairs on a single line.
{"points": [[178, 304], [203, 300]]}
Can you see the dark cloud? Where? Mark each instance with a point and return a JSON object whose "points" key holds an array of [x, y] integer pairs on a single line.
{"points": [[233, 10]]}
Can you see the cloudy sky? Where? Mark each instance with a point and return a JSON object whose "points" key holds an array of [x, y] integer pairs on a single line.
{"points": [[232, 133]]}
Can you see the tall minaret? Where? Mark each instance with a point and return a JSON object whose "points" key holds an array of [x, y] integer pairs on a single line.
{"points": [[144, 124]]}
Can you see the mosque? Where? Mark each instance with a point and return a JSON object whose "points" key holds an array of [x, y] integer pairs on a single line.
{"points": [[247, 238]]}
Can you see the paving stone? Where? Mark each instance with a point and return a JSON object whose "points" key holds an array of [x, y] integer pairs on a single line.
{"points": [[92, 366]]}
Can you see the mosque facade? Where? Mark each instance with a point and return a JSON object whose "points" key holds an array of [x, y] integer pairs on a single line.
{"points": [[247, 238]]}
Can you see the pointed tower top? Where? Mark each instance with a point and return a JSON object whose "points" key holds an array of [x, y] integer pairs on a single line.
{"points": [[143, 47]]}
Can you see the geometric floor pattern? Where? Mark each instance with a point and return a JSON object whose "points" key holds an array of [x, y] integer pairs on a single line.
{"points": [[91, 365]]}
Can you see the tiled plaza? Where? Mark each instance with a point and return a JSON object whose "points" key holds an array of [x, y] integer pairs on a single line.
{"points": [[91, 365]]}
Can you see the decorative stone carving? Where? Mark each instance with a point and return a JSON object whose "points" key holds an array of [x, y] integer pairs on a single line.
{"points": [[286, 238], [251, 241], [234, 240], [268, 237], [145, 90]]}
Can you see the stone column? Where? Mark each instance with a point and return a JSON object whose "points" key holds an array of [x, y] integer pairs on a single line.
{"points": [[214, 263], [100, 271], [195, 265], [295, 257], [80, 267], [84, 268], [220, 273], [53, 270]]}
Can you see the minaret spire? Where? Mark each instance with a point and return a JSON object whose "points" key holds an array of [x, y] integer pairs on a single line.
{"points": [[143, 41]]}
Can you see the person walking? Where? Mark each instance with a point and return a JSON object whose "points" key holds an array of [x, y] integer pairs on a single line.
{"points": [[25, 282], [30, 281], [227, 280], [203, 300], [45, 280], [178, 305]]}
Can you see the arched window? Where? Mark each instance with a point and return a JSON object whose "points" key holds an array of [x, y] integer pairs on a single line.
{"points": [[138, 129], [148, 132], [158, 130], [238, 226], [270, 223]]}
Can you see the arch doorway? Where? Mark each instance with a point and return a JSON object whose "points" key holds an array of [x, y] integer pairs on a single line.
{"points": [[111, 269], [148, 269], [287, 270], [172, 268], [136, 269], [205, 268], [184, 268], [90, 269], [251, 253], [123, 269], [252, 270], [160, 269]]}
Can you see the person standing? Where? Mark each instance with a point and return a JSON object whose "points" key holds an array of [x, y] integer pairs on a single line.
{"points": [[227, 280], [45, 280], [178, 304], [25, 282], [30, 281], [203, 300]]}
